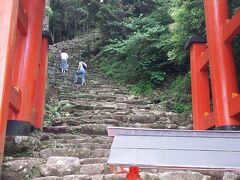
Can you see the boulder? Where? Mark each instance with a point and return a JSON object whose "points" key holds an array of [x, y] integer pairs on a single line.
{"points": [[21, 144], [60, 166]]}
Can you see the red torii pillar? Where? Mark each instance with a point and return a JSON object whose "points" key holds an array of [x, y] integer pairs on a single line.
{"points": [[222, 63], [8, 28], [23, 67], [27, 77], [217, 56], [40, 89]]}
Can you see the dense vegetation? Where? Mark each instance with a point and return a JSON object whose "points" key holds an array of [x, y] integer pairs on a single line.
{"points": [[141, 41]]}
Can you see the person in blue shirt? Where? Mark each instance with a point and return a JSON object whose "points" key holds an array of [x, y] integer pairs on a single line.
{"points": [[80, 75]]}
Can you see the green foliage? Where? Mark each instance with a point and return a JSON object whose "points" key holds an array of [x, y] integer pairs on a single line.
{"points": [[31, 173], [142, 41], [72, 17], [141, 88], [188, 20], [177, 96], [48, 11], [158, 77], [51, 57]]}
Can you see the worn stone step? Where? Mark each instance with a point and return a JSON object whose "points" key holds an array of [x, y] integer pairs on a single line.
{"points": [[88, 97], [90, 116], [23, 163], [93, 161], [70, 152], [71, 136], [110, 177], [56, 129], [143, 118], [79, 113], [17, 169], [78, 121], [63, 142], [79, 134], [91, 129], [135, 102], [83, 138], [48, 178], [100, 105], [19, 144], [73, 144], [68, 177], [99, 153], [94, 169], [105, 93], [60, 166]]}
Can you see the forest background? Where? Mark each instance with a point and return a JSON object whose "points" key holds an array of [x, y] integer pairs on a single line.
{"points": [[141, 42]]}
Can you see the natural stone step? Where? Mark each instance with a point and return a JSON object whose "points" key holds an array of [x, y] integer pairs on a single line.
{"points": [[90, 146], [88, 97], [111, 177], [75, 145], [70, 152], [85, 177], [21, 164], [60, 166], [83, 138], [136, 102], [56, 129], [94, 169], [99, 153], [91, 129], [74, 142], [77, 177], [18, 169], [76, 122], [48, 178], [71, 136], [19, 144], [93, 161], [143, 118], [79, 113]]}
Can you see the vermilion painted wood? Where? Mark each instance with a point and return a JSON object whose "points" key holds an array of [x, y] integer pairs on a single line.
{"points": [[22, 19], [223, 70], [18, 53], [40, 91], [232, 27], [15, 99], [200, 89], [29, 63], [235, 106], [204, 62], [8, 26]]}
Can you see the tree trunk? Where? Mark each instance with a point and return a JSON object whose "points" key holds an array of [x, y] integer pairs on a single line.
{"points": [[66, 20]]}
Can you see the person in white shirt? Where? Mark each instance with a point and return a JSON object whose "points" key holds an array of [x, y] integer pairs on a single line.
{"points": [[64, 62], [80, 75]]}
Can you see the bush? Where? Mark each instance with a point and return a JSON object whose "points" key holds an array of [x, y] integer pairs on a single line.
{"points": [[177, 97], [142, 88]]}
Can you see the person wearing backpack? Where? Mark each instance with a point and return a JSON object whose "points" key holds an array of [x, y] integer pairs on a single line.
{"points": [[80, 75]]}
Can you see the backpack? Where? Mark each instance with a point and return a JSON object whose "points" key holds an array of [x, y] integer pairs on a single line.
{"points": [[84, 66]]}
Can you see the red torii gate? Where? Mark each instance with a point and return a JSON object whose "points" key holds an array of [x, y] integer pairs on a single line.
{"points": [[215, 60], [23, 67], [23, 63]]}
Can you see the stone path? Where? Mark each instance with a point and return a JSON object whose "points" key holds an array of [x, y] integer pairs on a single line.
{"points": [[74, 144]]}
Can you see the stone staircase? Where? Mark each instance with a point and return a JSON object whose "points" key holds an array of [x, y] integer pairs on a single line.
{"points": [[74, 144]]}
